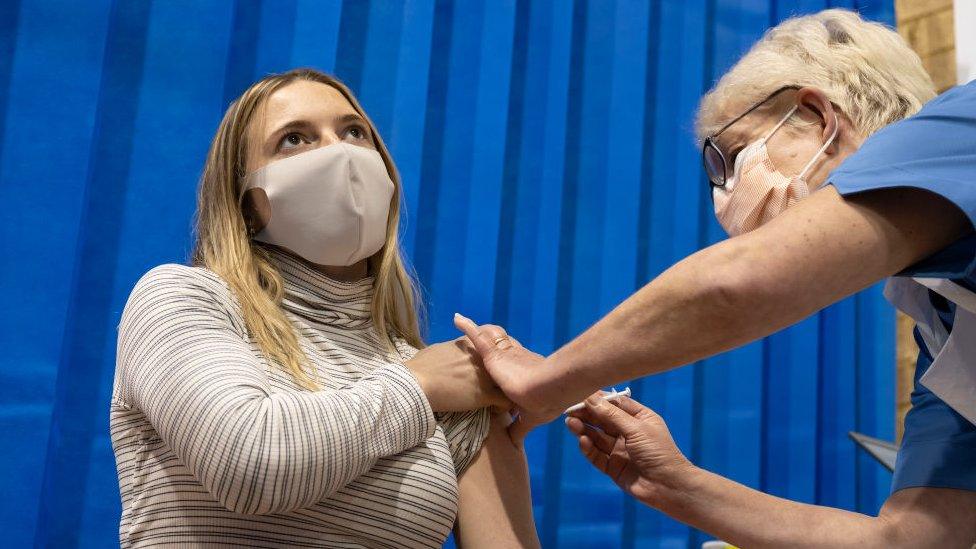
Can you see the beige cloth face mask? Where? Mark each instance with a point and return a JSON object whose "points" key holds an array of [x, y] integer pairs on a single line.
{"points": [[757, 192], [329, 205]]}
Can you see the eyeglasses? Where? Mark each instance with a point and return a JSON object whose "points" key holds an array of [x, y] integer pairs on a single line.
{"points": [[716, 166]]}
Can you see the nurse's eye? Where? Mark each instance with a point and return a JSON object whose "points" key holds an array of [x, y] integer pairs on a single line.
{"points": [[732, 154], [291, 141]]}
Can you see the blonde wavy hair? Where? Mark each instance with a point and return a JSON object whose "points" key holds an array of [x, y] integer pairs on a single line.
{"points": [[864, 68], [224, 246]]}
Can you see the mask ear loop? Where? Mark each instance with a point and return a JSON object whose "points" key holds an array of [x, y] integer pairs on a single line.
{"points": [[822, 149], [762, 142], [779, 124]]}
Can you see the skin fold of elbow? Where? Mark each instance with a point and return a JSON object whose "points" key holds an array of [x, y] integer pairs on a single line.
{"points": [[736, 291]]}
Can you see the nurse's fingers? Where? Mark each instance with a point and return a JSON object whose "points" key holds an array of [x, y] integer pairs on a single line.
{"points": [[593, 454], [579, 410], [499, 336], [618, 458], [589, 418], [634, 408], [487, 339], [601, 440], [576, 425], [610, 418], [482, 343]]}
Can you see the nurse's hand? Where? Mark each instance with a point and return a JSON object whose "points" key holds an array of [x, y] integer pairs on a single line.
{"points": [[632, 446], [516, 370]]}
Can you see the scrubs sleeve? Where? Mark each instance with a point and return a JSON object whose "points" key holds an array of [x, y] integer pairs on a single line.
{"points": [[935, 150]]}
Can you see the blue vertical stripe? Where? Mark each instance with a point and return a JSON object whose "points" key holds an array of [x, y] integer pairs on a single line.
{"points": [[487, 163], [316, 34], [378, 89], [351, 49], [517, 137], [53, 66], [88, 344], [406, 135], [556, 437], [9, 20], [273, 47]]}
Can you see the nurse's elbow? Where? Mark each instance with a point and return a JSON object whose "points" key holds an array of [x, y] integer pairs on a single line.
{"points": [[732, 287]]}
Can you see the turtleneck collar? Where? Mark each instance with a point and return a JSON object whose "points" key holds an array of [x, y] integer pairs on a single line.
{"points": [[319, 298]]}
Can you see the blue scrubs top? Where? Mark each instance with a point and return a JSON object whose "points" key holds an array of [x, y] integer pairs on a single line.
{"points": [[934, 150]]}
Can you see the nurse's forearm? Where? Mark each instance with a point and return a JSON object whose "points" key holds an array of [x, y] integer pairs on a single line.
{"points": [[748, 518], [914, 517], [821, 250], [692, 310]]}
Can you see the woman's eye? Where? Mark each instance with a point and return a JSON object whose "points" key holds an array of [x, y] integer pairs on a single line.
{"points": [[356, 132], [291, 141]]}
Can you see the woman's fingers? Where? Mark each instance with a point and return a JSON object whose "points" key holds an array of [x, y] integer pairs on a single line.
{"points": [[500, 404], [499, 400]]}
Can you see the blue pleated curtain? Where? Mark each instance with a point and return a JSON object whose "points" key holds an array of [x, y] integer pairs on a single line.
{"points": [[549, 171]]}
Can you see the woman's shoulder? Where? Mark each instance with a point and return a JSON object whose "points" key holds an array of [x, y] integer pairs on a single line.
{"points": [[403, 347], [177, 279], [169, 305], [189, 286]]}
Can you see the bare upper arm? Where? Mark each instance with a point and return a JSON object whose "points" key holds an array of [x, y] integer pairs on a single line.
{"points": [[910, 223], [930, 517], [495, 504], [828, 247]]}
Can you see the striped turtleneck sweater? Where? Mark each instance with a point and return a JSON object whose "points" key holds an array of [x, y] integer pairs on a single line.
{"points": [[216, 446]]}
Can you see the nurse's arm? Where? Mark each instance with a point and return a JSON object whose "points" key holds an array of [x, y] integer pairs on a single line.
{"points": [[825, 248], [632, 445], [912, 517]]}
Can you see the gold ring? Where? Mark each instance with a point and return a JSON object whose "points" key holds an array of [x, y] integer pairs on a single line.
{"points": [[500, 339]]}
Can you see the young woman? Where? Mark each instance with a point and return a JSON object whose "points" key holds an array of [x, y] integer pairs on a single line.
{"points": [[272, 394]]}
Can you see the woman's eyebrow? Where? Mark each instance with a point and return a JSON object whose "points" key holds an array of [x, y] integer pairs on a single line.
{"points": [[291, 125], [349, 117]]}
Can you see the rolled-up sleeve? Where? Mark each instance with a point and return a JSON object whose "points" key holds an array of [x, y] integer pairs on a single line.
{"points": [[465, 431]]}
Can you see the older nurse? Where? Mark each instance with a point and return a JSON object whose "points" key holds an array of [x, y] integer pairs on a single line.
{"points": [[818, 210]]}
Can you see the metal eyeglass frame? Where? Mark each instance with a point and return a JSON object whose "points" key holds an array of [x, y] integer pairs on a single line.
{"points": [[710, 148]]}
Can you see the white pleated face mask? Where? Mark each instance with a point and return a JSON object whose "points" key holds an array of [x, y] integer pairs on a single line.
{"points": [[329, 205]]}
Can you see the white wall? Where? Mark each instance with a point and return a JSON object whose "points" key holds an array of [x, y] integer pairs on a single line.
{"points": [[965, 16]]}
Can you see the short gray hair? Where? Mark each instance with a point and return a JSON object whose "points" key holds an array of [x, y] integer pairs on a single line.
{"points": [[865, 68]]}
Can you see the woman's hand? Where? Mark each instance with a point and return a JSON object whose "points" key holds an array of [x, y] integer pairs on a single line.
{"points": [[514, 368], [631, 444], [454, 378]]}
